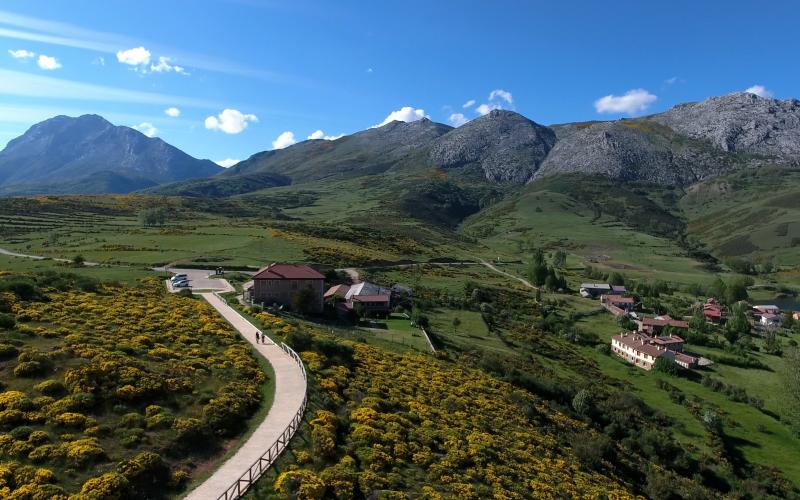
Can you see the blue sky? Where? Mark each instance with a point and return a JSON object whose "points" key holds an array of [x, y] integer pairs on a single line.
{"points": [[285, 69]]}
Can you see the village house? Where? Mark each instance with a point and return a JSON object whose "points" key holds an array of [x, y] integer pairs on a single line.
{"points": [[624, 303], [374, 300], [643, 350], [796, 315], [282, 283], [713, 311], [769, 319], [594, 290], [767, 309], [618, 290], [654, 326]]}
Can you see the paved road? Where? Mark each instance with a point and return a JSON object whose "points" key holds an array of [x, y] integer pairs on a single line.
{"points": [[201, 279], [39, 257], [290, 391]]}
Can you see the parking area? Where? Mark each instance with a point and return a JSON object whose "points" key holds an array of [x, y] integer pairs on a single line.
{"points": [[201, 279]]}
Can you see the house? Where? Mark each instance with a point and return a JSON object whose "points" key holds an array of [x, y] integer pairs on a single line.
{"points": [[281, 284], [366, 288], [769, 309], [624, 303], [796, 315], [768, 319], [373, 300], [618, 290], [373, 305], [337, 292], [713, 311], [643, 350], [654, 326], [593, 290]]}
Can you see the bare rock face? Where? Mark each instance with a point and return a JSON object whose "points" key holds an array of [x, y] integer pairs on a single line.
{"points": [[505, 145], [741, 122], [633, 150]]}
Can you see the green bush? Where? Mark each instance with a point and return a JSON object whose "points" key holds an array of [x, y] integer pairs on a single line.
{"points": [[28, 369], [7, 321]]}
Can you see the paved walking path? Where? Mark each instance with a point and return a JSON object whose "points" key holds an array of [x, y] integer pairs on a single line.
{"points": [[290, 391]]}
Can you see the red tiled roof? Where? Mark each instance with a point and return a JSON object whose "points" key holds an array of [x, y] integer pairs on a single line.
{"points": [[370, 298], [288, 272], [665, 322], [640, 343], [617, 299], [338, 290]]}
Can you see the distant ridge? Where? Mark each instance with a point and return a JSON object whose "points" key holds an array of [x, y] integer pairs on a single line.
{"points": [[88, 154], [684, 145]]}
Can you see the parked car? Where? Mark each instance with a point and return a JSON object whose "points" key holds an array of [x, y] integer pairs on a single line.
{"points": [[179, 277], [180, 284]]}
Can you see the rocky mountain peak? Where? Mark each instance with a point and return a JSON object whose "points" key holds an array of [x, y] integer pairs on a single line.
{"points": [[505, 145]]}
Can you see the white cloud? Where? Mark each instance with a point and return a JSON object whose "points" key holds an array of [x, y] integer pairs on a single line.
{"points": [[319, 134], [404, 114], [369, 70], [34, 29], [501, 94], [48, 63], [230, 121], [468, 104], [164, 66], [21, 54], [498, 98], [634, 101], [284, 140], [173, 112], [759, 90], [457, 119], [227, 162], [671, 81], [146, 128], [134, 57], [484, 109]]}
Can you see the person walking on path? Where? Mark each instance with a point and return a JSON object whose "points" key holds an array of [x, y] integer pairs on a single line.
{"points": [[258, 338]]}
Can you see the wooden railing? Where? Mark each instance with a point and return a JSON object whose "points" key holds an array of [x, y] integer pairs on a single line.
{"points": [[265, 461]]}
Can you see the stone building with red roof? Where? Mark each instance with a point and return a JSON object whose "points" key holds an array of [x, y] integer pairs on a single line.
{"points": [[282, 284]]}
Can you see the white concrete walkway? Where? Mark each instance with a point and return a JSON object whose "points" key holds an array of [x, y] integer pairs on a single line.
{"points": [[290, 391]]}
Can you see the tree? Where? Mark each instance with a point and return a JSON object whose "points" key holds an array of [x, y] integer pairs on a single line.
{"points": [[78, 260], [616, 279], [717, 289], [666, 365], [156, 216], [737, 325], [736, 290], [698, 322], [560, 259], [583, 402], [303, 300], [712, 421], [456, 323]]}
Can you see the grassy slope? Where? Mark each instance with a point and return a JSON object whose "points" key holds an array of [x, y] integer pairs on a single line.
{"points": [[754, 214]]}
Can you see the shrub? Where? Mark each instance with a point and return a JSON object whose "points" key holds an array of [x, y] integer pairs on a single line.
{"points": [[132, 420], [591, 449], [8, 351], [22, 432], [83, 451], [300, 484], [50, 387], [109, 485], [38, 437], [70, 419], [146, 474], [665, 365], [28, 369], [7, 321]]}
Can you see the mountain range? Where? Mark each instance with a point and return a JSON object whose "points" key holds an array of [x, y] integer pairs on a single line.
{"points": [[689, 143], [88, 154]]}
